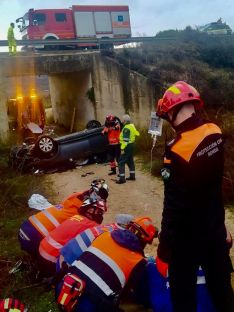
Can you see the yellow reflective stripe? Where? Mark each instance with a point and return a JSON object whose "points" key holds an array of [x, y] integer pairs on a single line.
{"points": [[94, 277], [63, 298], [174, 90], [46, 256], [53, 242], [6, 303], [112, 264], [39, 225], [201, 280], [51, 218]]}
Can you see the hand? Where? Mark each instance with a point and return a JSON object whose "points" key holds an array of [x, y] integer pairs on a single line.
{"points": [[122, 152]]}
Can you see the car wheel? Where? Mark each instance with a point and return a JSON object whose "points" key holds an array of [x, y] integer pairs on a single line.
{"points": [[93, 124], [46, 145]]}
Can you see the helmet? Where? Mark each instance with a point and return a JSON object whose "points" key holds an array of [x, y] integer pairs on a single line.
{"points": [[177, 94], [109, 118], [99, 188], [93, 209], [143, 228]]}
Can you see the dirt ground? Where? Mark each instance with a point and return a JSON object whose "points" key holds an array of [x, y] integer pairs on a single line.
{"points": [[141, 197]]}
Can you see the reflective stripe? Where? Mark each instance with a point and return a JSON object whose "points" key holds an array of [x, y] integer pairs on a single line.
{"points": [[23, 235], [90, 235], [51, 218], [131, 171], [122, 174], [94, 277], [63, 298], [174, 90], [46, 256], [53, 242], [201, 280], [41, 227], [126, 139], [6, 302], [81, 243], [112, 264]]}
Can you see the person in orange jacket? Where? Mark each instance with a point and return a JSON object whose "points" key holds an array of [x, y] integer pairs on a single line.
{"points": [[114, 260], [39, 225], [113, 128], [90, 214]]}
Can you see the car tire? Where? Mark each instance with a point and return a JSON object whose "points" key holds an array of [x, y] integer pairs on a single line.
{"points": [[93, 124], [45, 145]]}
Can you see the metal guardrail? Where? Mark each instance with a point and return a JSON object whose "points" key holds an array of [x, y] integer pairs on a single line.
{"points": [[4, 43]]}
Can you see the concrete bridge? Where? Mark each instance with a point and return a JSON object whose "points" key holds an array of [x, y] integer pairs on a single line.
{"points": [[86, 83]]}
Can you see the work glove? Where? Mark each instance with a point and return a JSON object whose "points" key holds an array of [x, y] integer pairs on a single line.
{"points": [[122, 152]]}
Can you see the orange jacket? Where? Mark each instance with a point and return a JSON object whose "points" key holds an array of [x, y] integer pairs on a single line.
{"points": [[51, 245], [48, 219], [107, 264], [113, 134]]}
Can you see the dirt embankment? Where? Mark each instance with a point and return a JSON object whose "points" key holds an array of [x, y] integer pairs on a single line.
{"points": [[141, 197]]}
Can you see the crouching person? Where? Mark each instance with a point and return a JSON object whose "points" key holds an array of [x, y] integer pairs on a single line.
{"points": [[113, 261], [38, 226], [90, 214]]}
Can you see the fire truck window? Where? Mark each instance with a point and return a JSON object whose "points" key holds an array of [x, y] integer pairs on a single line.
{"points": [[60, 17], [39, 19]]}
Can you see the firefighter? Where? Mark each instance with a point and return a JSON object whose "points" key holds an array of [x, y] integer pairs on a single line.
{"points": [[114, 259], [90, 214], [193, 232], [112, 128], [38, 226], [11, 39], [127, 139]]}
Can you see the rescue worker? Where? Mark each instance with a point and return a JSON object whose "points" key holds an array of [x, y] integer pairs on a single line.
{"points": [[76, 246], [127, 139], [90, 214], [38, 226], [11, 39], [193, 231], [114, 259], [112, 128]]}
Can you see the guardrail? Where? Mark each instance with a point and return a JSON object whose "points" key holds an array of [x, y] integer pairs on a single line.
{"points": [[98, 41]]}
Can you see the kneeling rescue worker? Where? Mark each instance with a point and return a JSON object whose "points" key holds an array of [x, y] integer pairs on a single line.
{"points": [[39, 225], [113, 260]]}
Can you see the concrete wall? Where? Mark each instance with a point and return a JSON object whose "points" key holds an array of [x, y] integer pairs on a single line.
{"points": [[69, 92], [4, 127], [119, 91]]}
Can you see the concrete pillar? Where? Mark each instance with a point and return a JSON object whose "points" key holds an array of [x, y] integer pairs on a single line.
{"points": [[68, 91], [4, 127]]}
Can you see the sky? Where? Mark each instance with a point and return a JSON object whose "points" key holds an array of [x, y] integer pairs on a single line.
{"points": [[147, 16]]}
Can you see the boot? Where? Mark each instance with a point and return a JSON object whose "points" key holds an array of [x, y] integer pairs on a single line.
{"points": [[113, 171], [131, 177], [120, 181]]}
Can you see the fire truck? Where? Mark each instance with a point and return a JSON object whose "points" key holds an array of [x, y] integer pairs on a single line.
{"points": [[77, 22]]}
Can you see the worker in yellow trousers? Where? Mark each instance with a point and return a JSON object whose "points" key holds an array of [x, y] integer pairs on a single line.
{"points": [[11, 39]]}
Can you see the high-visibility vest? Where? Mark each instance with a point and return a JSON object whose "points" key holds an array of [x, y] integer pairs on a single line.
{"points": [[51, 245], [48, 219], [76, 246], [128, 135], [107, 264]]}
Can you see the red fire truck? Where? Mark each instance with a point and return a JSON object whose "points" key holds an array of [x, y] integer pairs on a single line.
{"points": [[78, 22]]}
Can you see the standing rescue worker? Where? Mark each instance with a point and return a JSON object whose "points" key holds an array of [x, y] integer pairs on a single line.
{"points": [[114, 259], [193, 232], [38, 226], [90, 214], [127, 139], [112, 128], [11, 39]]}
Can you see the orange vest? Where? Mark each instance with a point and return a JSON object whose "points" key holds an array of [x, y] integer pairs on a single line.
{"points": [[51, 245], [48, 219], [113, 135], [121, 261]]}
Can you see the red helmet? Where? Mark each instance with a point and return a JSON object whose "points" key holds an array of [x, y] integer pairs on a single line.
{"points": [[143, 228], [109, 118], [177, 94]]}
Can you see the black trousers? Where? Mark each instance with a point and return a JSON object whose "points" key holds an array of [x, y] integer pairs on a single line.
{"points": [[127, 158], [216, 264], [113, 154]]}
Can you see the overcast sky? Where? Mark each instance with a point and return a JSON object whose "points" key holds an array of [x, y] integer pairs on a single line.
{"points": [[147, 16]]}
